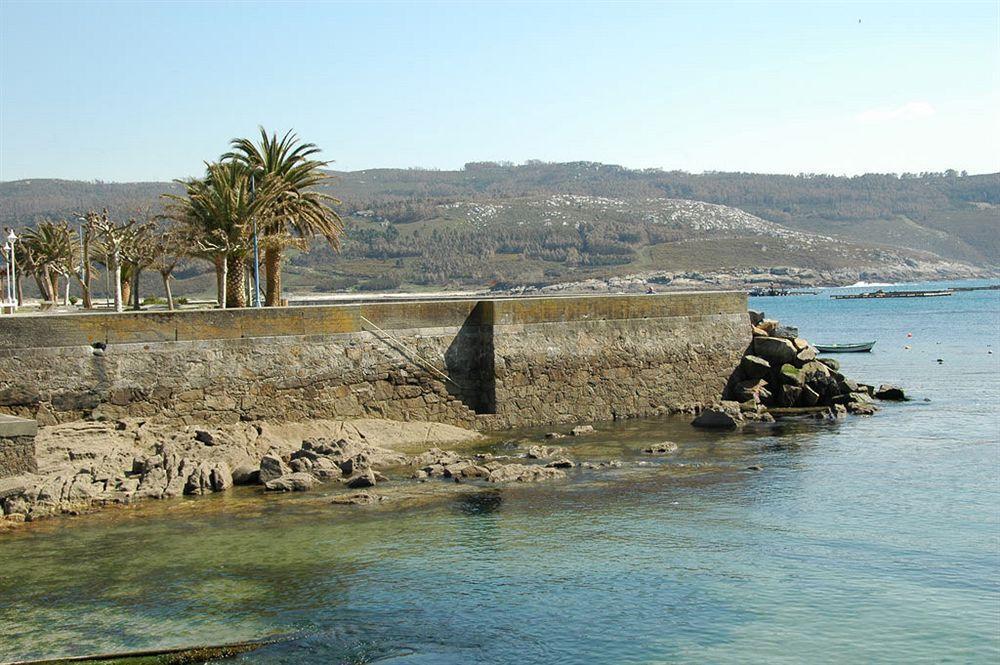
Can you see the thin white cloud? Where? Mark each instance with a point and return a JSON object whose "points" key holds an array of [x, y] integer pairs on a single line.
{"points": [[908, 111]]}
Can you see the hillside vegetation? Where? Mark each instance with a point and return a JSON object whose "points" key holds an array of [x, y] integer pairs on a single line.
{"points": [[542, 223]]}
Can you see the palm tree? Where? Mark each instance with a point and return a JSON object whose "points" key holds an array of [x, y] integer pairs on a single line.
{"points": [[300, 211], [216, 210], [51, 250]]}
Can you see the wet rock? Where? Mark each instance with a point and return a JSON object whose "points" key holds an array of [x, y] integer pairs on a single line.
{"points": [[808, 397], [362, 480], [246, 475], [301, 465], [543, 452], [293, 482], [774, 349], [581, 430], [221, 478], [664, 448], [523, 473], [325, 469], [555, 435], [725, 416], [475, 471], [789, 395], [805, 355], [209, 477], [861, 408], [831, 363], [791, 375], [271, 468], [890, 393], [755, 467], [785, 332], [562, 463], [356, 499], [755, 367]]}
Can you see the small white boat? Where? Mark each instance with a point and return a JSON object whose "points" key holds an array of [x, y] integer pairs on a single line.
{"points": [[861, 347]]}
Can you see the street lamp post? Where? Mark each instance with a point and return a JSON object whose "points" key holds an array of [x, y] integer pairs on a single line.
{"points": [[11, 271]]}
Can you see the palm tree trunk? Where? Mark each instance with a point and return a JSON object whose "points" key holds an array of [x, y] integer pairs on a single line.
{"points": [[234, 282], [272, 267], [224, 281], [167, 291], [220, 279]]}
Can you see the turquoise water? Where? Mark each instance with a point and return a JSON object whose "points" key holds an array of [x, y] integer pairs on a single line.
{"points": [[872, 540]]}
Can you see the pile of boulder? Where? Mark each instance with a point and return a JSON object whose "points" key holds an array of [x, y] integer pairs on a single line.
{"points": [[781, 375]]}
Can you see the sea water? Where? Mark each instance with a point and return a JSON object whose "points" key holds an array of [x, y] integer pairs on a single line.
{"points": [[869, 540]]}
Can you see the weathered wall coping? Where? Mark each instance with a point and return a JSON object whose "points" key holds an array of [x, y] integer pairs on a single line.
{"points": [[11, 426], [43, 331]]}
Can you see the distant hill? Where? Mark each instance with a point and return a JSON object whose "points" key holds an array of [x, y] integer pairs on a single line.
{"points": [[541, 223]]}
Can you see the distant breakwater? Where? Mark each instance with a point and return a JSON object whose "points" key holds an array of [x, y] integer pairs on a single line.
{"points": [[483, 364]]}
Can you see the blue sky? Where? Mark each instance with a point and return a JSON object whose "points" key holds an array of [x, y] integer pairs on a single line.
{"points": [[148, 90]]}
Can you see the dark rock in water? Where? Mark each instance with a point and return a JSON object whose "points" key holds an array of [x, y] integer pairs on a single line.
{"points": [[789, 395], [562, 463], [581, 430], [775, 350], [555, 435], [809, 397], [364, 479], [861, 408], [246, 475], [204, 437], [890, 393], [832, 363], [664, 448], [755, 367], [755, 317], [755, 467], [725, 416]]}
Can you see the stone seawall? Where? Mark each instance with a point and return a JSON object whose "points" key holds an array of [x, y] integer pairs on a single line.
{"points": [[17, 446], [475, 363]]}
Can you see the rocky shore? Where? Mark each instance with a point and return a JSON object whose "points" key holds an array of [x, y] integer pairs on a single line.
{"points": [[780, 277], [86, 465], [781, 375]]}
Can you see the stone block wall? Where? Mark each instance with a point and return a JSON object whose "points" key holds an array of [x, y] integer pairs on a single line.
{"points": [[484, 364], [17, 446]]}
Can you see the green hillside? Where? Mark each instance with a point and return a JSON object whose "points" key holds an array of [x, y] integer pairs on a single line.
{"points": [[543, 223]]}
